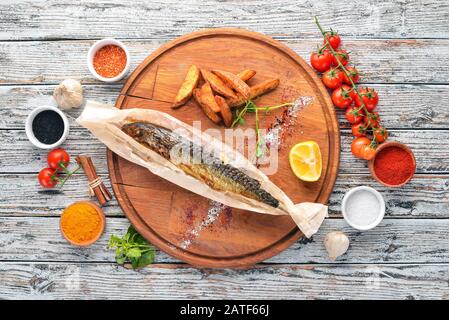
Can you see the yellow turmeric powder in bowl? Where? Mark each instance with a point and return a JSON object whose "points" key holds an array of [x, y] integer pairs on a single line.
{"points": [[82, 223]]}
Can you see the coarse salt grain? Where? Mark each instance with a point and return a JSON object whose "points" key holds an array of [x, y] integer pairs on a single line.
{"points": [[362, 208]]}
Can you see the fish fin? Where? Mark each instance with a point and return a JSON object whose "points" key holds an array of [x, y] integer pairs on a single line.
{"points": [[309, 217]]}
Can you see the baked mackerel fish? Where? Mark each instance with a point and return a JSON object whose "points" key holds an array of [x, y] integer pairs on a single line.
{"points": [[197, 161], [194, 160]]}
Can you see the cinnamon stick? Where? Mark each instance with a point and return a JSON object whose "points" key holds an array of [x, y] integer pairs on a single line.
{"points": [[95, 184]]}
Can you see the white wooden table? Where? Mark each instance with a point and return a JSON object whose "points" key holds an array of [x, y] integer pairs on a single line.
{"points": [[402, 49]]}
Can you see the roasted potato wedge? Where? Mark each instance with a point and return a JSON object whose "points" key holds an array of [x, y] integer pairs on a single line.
{"points": [[225, 110], [186, 89], [246, 74], [207, 96], [234, 82], [217, 84], [206, 108], [255, 91]]}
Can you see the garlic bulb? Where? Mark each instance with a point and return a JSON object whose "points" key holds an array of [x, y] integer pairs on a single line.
{"points": [[69, 94], [336, 243]]}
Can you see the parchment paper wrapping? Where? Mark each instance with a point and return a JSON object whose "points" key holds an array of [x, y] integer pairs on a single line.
{"points": [[105, 121]]}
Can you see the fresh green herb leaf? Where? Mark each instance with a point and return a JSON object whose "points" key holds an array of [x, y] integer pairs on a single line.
{"points": [[146, 259], [133, 253], [132, 247], [251, 107]]}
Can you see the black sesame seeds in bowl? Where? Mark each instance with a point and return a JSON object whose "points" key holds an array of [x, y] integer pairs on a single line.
{"points": [[46, 127]]}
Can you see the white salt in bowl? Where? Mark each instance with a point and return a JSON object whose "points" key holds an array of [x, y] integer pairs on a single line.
{"points": [[363, 208]]}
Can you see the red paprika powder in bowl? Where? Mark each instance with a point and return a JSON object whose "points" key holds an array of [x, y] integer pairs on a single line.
{"points": [[393, 165]]}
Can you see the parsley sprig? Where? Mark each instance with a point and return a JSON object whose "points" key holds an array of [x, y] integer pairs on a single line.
{"points": [[132, 247]]}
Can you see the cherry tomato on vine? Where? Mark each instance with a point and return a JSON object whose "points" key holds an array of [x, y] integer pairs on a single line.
{"points": [[332, 78], [341, 97], [358, 145], [48, 178], [342, 55], [381, 134], [368, 152], [58, 158], [369, 98], [321, 60], [353, 115], [372, 120], [353, 73], [333, 38], [358, 130]]}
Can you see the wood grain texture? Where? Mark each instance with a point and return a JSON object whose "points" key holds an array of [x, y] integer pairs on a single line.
{"points": [[401, 106], [380, 61], [109, 281], [369, 30], [39, 202], [394, 241], [424, 197], [240, 237], [429, 158], [64, 19]]}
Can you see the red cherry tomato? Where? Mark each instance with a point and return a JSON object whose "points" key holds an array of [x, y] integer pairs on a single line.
{"points": [[57, 159], [358, 130], [321, 61], [342, 56], [369, 98], [341, 97], [48, 178], [358, 146], [332, 78], [372, 120], [381, 134], [368, 152], [333, 38], [353, 115], [353, 73]]}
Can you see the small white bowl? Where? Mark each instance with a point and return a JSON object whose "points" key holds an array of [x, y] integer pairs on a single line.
{"points": [[97, 46], [29, 127], [380, 215]]}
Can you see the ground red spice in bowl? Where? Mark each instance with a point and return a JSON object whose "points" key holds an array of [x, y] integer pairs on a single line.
{"points": [[109, 61], [394, 165]]}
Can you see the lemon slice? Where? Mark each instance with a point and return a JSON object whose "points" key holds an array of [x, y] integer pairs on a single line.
{"points": [[305, 160]]}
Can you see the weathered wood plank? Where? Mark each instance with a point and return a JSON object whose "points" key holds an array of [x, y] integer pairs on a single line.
{"points": [[401, 106], [393, 241], [109, 281], [23, 196], [429, 148], [18, 155], [16, 102], [387, 61], [423, 197], [64, 19]]}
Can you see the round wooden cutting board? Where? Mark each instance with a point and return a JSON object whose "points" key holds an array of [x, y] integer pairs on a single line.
{"points": [[168, 215]]}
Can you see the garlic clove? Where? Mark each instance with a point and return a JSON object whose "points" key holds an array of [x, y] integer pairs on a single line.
{"points": [[336, 243], [68, 94]]}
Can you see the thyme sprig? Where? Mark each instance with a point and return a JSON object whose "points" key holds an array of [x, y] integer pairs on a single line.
{"points": [[251, 107]]}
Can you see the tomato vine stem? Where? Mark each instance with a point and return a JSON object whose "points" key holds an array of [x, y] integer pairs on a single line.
{"points": [[348, 75]]}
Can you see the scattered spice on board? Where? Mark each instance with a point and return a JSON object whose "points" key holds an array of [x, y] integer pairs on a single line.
{"points": [[81, 222], [213, 213], [281, 127], [109, 61], [394, 165]]}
